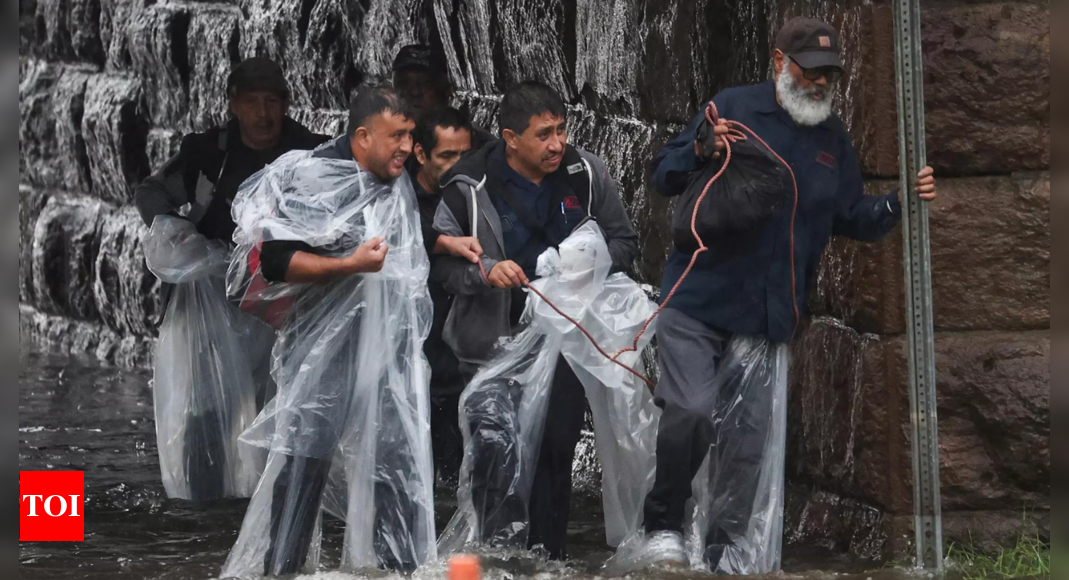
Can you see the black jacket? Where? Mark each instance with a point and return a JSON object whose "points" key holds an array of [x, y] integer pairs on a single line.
{"points": [[198, 171], [758, 284]]}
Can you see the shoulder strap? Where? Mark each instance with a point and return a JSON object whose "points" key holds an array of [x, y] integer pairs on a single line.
{"points": [[206, 188], [455, 199], [580, 177], [224, 139]]}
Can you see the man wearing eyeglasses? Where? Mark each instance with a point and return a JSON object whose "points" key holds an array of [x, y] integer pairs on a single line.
{"points": [[754, 285]]}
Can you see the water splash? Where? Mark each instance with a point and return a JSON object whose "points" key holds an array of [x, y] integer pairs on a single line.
{"points": [[608, 51], [827, 399], [837, 524]]}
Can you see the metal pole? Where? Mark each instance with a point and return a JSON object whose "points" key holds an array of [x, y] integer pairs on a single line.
{"points": [[920, 333]]}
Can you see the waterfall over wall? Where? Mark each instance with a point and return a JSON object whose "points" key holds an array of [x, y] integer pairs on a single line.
{"points": [[108, 87]]}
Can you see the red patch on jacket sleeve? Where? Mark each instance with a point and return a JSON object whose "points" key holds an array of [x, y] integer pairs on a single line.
{"points": [[826, 159]]}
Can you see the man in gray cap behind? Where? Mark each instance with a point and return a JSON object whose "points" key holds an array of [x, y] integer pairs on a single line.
{"points": [[718, 396], [421, 76]]}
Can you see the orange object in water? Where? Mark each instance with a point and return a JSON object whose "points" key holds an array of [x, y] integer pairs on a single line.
{"points": [[464, 568]]}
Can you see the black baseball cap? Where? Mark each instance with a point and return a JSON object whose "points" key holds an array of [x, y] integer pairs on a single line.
{"points": [[811, 43], [258, 74], [419, 57]]}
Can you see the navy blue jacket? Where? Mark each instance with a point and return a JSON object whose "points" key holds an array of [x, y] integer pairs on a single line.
{"points": [[745, 287], [521, 243]]}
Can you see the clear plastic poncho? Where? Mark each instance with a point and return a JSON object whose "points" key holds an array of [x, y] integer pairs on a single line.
{"points": [[211, 370], [503, 409], [739, 491], [349, 429]]}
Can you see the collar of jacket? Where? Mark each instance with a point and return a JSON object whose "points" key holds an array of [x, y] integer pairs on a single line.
{"points": [[340, 148], [767, 102]]}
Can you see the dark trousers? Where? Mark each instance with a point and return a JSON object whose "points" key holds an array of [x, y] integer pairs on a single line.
{"points": [[447, 442], [492, 415], [298, 495], [295, 507], [209, 432], [710, 403], [205, 451], [551, 495]]}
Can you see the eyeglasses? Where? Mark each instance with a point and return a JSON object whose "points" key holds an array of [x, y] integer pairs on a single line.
{"points": [[829, 73]]}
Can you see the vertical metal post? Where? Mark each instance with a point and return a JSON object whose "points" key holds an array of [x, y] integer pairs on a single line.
{"points": [[919, 317]]}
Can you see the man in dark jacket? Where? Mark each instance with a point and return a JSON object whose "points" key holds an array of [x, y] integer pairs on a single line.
{"points": [[198, 185], [440, 138], [210, 166], [747, 287], [520, 196]]}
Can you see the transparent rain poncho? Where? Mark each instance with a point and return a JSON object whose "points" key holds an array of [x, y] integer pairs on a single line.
{"points": [[503, 409], [212, 372], [735, 518], [349, 429]]}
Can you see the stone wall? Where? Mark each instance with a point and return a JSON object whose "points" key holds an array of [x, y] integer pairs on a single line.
{"points": [[108, 87]]}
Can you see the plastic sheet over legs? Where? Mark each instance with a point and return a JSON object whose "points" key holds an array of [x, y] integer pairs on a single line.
{"points": [[502, 415], [734, 521], [739, 493], [212, 370], [504, 408]]}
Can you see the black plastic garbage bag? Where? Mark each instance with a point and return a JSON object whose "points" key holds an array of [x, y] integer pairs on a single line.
{"points": [[753, 187]]}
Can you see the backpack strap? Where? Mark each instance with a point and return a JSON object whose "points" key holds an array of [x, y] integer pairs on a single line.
{"points": [[580, 176], [463, 202], [206, 189]]}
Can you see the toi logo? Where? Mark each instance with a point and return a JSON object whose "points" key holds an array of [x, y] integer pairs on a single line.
{"points": [[52, 506]]}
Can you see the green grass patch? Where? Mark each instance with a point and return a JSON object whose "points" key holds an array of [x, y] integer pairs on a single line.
{"points": [[1029, 558], [1061, 558]]}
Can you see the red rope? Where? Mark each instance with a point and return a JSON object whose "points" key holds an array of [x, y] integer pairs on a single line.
{"points": [[737, 133], [585, 332]]}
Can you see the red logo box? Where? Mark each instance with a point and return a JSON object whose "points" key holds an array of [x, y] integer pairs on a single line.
{"points": [[52, 506]]}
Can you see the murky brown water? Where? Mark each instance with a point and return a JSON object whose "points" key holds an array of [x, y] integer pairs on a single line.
{"points": [[77, 415]]}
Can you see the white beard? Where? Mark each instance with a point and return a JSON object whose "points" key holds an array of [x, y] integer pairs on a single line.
{"points": [[799, 103]]}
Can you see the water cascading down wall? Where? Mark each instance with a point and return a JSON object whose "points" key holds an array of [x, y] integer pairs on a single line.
{"points": [[108, 87]]}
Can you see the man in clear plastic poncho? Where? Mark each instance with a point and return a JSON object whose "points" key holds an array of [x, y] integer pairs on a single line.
{"points": [[330, 251], [212, 372]]}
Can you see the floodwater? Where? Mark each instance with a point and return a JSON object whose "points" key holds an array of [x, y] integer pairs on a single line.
{"points": [[76, 415]]}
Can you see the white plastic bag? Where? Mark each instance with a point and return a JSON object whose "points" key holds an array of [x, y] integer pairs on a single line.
{"points": [[211, 373]]}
